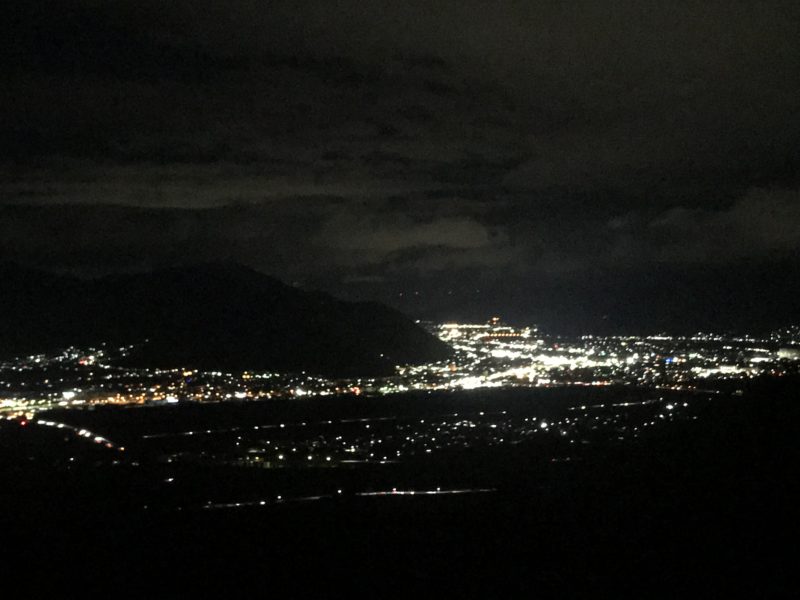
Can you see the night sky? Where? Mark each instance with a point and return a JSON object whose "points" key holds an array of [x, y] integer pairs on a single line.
{"points": [[584, 165]]}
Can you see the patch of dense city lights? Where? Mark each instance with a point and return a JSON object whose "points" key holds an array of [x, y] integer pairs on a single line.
{"points": [[655, 383], [490, 355]]}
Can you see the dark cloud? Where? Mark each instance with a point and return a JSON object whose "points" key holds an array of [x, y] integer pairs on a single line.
{"points": [[762, 223], [376, 148]]}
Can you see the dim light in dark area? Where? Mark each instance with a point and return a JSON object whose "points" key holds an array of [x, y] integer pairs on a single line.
{"points": [[432, 297]]}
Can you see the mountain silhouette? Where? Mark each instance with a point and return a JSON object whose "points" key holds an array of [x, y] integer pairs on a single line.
{"points": [[212, 316]]}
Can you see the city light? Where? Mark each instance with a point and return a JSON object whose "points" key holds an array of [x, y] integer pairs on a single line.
{"points": [[488, 355]]}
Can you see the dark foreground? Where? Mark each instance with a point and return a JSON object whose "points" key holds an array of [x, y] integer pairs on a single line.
{"points": [[702, 507]]}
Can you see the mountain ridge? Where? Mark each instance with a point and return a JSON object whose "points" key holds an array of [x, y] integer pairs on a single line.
{"points": [[215, 316]]}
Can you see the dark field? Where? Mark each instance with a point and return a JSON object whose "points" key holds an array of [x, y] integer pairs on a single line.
{"points": [[625, 491]]}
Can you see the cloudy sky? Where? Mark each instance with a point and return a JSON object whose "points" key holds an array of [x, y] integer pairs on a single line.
{"points": [[564, 162]]}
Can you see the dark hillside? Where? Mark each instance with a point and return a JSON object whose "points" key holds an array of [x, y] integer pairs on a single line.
{"points": [[221, 317]]}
